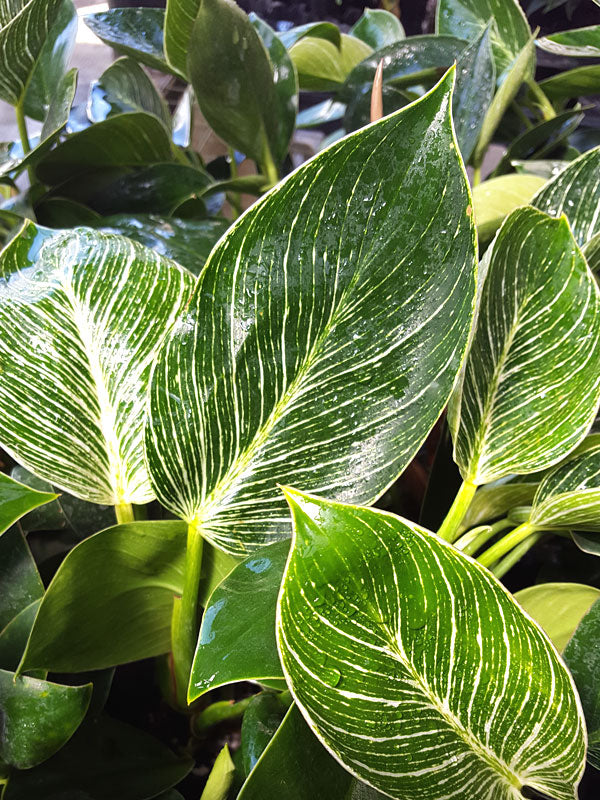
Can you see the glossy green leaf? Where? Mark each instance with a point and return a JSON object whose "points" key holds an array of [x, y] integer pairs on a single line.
{"points": [[467, 18], [19, 578], [540, 140], [544, 168], [135, 32], [321, 114], [582, 656], [52, 63], [261, 720], [322, 66], [111, 600], [532, 377], [232, 77], [358, 110], [575, 192], [591, 251], [558, 608], [496, 499], [415, 667], [315, 322], [237, 636], [24, 26], [13, 637], [105, 760], [316, 30], [516, 73], [281, 127], [38, 717], [188, 242], [569, 496], [573, 83], [135, 139], [475, 86], [178, 26], [16, 500], [378, 28], [91, 309], [579, 42], [496, 198], [125, 87], [221, 777]]}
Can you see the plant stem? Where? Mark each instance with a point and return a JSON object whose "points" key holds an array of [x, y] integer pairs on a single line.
{"points": [[185, 614], [506, 563], [541, 98], [477, 175], [472, 540], [506, 544], [124, 512], [460, 506], [22, 126], [269, 169], [234, 197], [521, 115]]}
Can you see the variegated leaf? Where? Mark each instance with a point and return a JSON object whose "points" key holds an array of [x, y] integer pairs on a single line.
{"points": [[532, 377], [416, 668], [575, 192], [82, 315], [324, 335]]}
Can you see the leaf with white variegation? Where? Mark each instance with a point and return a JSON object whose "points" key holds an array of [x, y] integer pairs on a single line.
{"points": [[416, 668], [82, 314], [578, 43], [324, 334], [531, 383], [575, 192]]}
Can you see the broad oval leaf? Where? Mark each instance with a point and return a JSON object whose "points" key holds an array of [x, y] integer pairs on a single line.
{"points": [[416, 668], [323, 66], [316, 30], [575, 192], [532, 377], [467, 18], [578, 42], [24, 26], [237, 635], [262, 718], [569, 496], [378, 28], [38, 717], [327, 368], [81, 316], [572, 83], [558, 607], [496, 198], [135, 32]]}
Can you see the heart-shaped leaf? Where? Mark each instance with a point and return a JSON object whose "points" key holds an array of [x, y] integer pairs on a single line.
{"points": [[415, 667], [82, 314], [237, 636], [328, 368], [125, 87], [579, 42], [531, 387], [135, 32], [467, 19], [378, 28], [38, 717], [575, 192]]}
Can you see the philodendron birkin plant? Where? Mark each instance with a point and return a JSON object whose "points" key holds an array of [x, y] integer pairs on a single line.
{"points": [[266, 405]]}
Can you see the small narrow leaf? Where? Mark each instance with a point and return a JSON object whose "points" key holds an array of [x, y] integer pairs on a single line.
{"points": [[38, 717], [125, 87], [327, 368], [575, 192], [532, 377], [221, 777], [579, 42], [475, 86], [81, 316], [20, 581], [416, 668], [16, 500], [572, 83]]}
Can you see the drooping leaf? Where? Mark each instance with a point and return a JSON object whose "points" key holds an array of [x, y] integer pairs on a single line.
{"points": [[135, 139], [125, 87], [81, 316], [52, 63], [475, 85], [322, 66], [575, 192], [378, 28], [24, 26], [220, 778], [16, 500], [188, 242], [496, 198], [582, 656], [38, 717], [573, 83], [532, 377], [314, 321], [19, 578], [558, 607], [415, 667], [569, 496], [545, 168], [237, 636], [579, 42], [135, 32], [105, 760], [467, 18], [315, 30]]}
